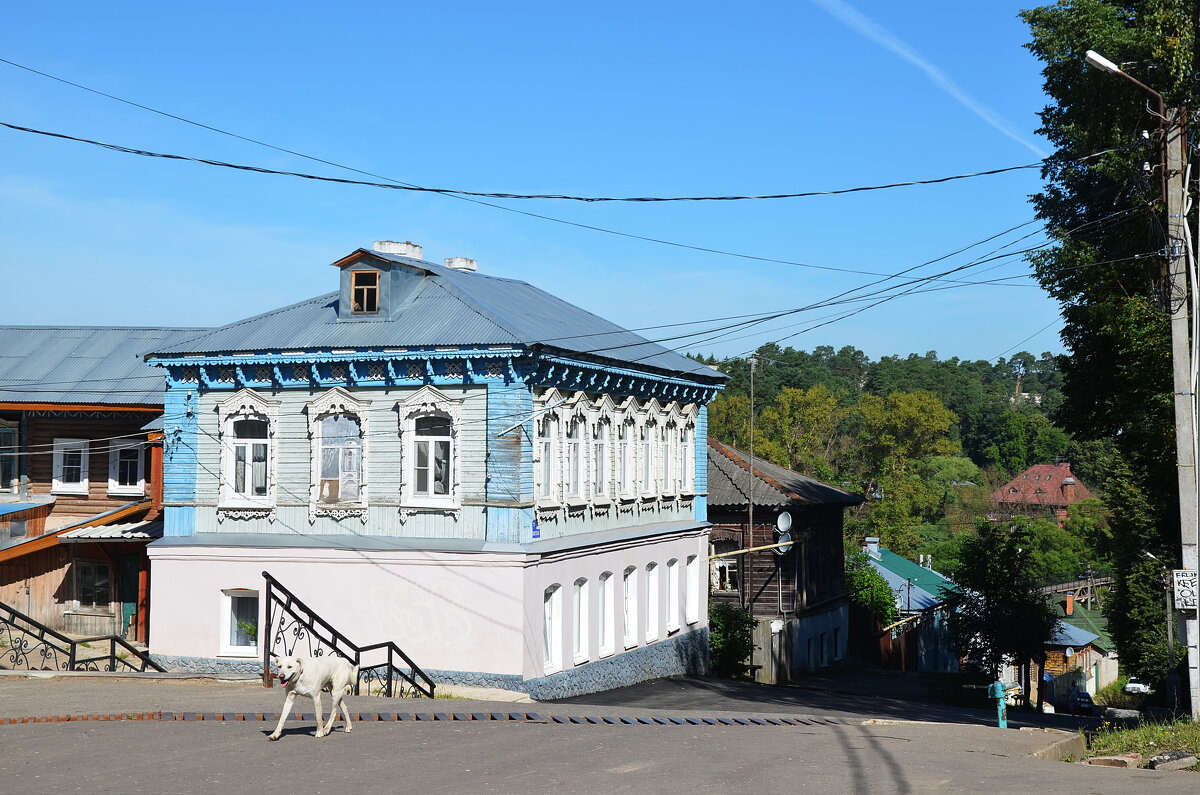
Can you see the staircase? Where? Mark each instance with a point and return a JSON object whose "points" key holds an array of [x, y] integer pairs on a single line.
{"points": [[294, 630], [27, 645]]}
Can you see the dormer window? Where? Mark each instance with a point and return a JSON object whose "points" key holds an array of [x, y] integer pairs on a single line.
{"points": [[365, 292]]}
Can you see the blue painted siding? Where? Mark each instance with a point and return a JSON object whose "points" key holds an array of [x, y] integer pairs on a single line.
{"points": [[702, 464], [509, 463], [179, 461]]}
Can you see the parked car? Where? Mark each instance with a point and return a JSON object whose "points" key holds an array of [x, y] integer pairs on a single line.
{"points": [[1136, 686]]}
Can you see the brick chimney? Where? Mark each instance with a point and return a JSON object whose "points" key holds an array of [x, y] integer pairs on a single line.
{"points": [[1070, 603], [1068, 490]]}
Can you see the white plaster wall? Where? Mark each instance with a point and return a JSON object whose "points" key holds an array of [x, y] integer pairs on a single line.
{"points": [[447, 611], [565, 568]]}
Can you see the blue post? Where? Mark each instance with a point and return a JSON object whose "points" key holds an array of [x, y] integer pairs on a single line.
{"points": [[996, 691]]}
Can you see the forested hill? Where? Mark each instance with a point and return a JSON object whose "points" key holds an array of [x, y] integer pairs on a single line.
{"points": [[925, 440], [1003, 410]]}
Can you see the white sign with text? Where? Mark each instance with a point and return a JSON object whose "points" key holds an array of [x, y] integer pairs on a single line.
{"points": [[1185, 589]]}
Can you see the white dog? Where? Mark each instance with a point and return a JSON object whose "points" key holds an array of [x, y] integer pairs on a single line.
{"points": [[308, 676]]}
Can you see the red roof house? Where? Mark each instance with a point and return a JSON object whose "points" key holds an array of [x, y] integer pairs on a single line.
{"points": [[1043, 489]]}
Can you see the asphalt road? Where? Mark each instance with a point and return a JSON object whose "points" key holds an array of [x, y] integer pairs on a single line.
{"points": [[839, 753]]}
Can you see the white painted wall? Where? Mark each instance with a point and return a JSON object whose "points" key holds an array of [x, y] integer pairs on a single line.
{"points": [[447, 611], [565, 568]]}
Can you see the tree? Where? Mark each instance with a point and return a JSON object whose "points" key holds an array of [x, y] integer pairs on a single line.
{"points": [[867, 587], [996, 612], [805, 426], [1107, 215], [729, 419], [896, 438]]}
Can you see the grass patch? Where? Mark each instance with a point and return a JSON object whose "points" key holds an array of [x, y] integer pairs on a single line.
{"points": [[1148, 739], [1114, 695]]}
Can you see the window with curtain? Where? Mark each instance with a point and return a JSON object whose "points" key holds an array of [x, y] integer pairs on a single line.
{"points": [[341, 459], [251, 445], [433, 453]]}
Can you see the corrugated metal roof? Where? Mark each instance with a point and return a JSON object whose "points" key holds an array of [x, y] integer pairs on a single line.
{"points": [[927, 586], [17, 507], [1067, 635], [82, 364], [451, 307], [728, 482], [129, 531]]}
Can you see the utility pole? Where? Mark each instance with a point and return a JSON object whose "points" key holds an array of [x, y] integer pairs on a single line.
{"points": [[1173, 143], [1185, 397], [749, 559]]}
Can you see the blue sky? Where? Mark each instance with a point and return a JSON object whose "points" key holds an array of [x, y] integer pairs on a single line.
{"points": [[619, 99]]}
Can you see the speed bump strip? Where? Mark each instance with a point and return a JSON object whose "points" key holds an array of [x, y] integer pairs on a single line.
{"points": [[493, 717]]}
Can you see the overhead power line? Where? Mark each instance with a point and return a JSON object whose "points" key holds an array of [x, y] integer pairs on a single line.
{"points": [[490, 195]]}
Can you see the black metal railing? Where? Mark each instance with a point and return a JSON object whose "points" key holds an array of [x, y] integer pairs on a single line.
{"points": [[294, 630], [27, 645]]}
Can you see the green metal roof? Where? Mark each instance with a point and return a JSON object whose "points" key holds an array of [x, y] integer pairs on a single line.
{"points": [[1088, 620]]}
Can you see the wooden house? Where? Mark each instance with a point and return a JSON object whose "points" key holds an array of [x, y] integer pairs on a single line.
{"points": [[505, 485], [80, 471], [798, 593]]}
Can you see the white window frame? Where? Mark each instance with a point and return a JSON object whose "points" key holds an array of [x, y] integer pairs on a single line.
{"points": [[61, 447], [652, 603], [574, 466], [547, 470], [605, 604], [431, 402], [246, 404], [115, 448], [552, 629], [646, 472], [338, 401], [689, 457], [629, 597], [227, 647], [580, 644], [669, 446], [601, 434], [627, 459], [691, 598], [672, 595]]}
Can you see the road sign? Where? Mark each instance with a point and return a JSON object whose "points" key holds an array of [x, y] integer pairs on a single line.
{"points": [[1185, 589]]}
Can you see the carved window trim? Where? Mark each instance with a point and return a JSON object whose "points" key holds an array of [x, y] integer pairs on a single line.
{"points": [[547, 457], [428, 401], [241, 405], [334, 402]]}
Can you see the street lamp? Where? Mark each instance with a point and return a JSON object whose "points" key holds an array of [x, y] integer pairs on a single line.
{"points": [[1172, 161]]}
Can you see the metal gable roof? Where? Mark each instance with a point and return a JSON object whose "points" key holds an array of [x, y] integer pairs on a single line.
{"points": [[728, 482], [82, 364], [451, 307], [928, 587], [1067, 635]]}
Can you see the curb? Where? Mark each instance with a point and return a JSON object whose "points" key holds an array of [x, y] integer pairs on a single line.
{"points": [[1072, 745]]}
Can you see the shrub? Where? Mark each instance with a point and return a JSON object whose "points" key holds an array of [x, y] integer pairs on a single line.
{"points": [[730, 640]]}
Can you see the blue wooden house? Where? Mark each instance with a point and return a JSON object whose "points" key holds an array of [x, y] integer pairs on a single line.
{"points": [[509, 487]]}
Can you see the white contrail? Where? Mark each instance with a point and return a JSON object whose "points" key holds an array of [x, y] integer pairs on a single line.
{"points": [[854, 20]]}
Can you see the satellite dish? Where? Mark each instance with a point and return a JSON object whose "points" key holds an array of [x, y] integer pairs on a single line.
{"points": [[783, 521], [784, 538], [1070, 652]]}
